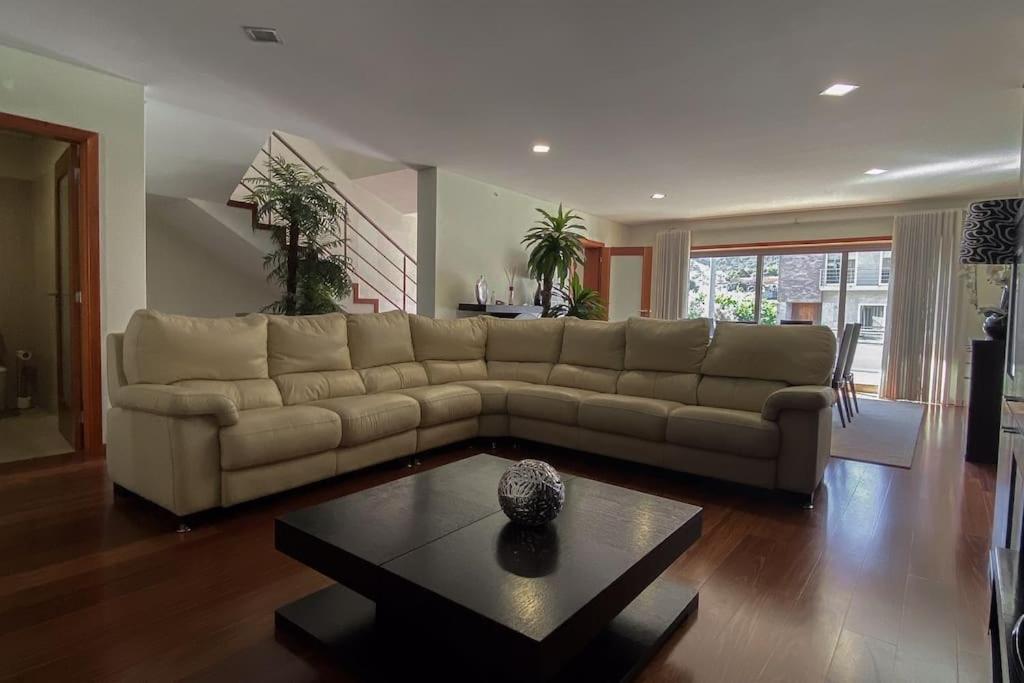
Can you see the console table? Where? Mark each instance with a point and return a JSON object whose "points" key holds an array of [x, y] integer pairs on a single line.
{"points": [[496, 310]]}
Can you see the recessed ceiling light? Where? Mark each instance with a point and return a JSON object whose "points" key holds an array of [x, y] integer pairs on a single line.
{"points": [[260, 34], [658, 195], [876, 171], [839, 89], [541, 148]]}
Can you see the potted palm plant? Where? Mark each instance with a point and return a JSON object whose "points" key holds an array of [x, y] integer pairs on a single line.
{"points": [[555, 246], [308, 261], [579, 301]]}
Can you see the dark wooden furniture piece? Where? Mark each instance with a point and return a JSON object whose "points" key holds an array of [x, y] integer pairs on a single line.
{"points": [[429, 567], [983, 406], [496, 310]]}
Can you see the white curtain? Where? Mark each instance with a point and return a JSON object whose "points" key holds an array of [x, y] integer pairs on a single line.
{"points": [[921, 359], [670, 277]]}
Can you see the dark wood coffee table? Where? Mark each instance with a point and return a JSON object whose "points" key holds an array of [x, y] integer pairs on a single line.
{"points": [[431, 573]]}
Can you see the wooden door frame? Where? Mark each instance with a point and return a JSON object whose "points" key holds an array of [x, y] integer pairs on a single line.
{"points": [[647, 253], [592, 258], [88, 143]]}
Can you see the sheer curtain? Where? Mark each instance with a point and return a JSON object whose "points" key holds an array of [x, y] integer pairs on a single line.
{"points": [[921, 359], [670, 278]]}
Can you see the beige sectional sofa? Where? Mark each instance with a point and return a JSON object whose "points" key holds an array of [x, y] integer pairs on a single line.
{"points": [[214, 412]]}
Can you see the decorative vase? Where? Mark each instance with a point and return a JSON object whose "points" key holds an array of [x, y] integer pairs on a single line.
{"points": [[531, 493], [483, 292], [994, 325]]}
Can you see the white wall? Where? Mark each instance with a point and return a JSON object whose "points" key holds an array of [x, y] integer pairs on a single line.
{"points": [[43, 88], [477, 231], [15, 273], [185, 277], [857, 221]]}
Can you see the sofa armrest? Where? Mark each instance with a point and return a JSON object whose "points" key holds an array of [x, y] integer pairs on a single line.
{"points": [[810, 398], [171, 401]]}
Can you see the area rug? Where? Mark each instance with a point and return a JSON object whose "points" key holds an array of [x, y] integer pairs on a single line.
{"points": [[883, 432]]}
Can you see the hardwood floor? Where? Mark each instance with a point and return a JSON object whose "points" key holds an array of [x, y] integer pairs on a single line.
{"points": [[886, 579]]}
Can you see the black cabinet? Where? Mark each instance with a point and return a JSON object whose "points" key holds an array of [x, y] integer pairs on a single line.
{"points": [[983, 407]]}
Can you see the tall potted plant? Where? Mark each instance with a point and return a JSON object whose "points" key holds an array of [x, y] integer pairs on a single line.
{"points": [[554, 247], [308, 260]]}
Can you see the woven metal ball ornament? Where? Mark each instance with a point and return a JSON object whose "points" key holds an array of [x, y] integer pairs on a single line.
{"points": [[531, 493]]}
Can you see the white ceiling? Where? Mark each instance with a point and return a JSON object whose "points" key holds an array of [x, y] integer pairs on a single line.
{"points": [[714, 104]]}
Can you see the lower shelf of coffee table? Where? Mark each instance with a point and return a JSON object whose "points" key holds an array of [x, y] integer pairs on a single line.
{"points": [[345, 623]]}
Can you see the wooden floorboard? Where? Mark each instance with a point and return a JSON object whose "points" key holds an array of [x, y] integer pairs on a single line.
{"points": [[885, 580]]}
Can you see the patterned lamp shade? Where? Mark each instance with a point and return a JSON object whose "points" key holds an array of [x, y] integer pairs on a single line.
{"points": [[990, 232]]}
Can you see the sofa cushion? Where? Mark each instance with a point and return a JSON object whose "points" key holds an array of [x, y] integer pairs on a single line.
{"points": [[536, 373], [379, 339], [794, 354], [163, 349], [246, 394], [643, 418], [444, 371], [553, 404], [463, 339], [374, 416], [593, 343], [445, 403], [531, 341], [391, 377], [305, 387], [583, 377], [737, 432], [666, 345], [269, 435], [493, 394], [736, 393], [307, 343], [668, 386]]}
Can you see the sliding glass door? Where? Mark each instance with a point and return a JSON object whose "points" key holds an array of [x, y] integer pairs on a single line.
{"points": [[829, 287]]}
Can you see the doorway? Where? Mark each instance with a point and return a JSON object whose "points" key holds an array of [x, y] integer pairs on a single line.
{"points": [[50, 392]]}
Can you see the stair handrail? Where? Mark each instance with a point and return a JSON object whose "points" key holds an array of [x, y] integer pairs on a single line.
{"points": [[346, 204], [341, 194]]}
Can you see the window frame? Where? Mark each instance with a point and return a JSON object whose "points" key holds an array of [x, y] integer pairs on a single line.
{"points": [[841, 246]]}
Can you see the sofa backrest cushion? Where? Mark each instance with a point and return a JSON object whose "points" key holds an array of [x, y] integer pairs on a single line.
{"points": [[444, 371], [666, 345], [304, 387], [377, 339], [593, 343], [669, 386], [394, 376], [794, 354], [537, 373], [583, 377], [737, 393], [449, 340], [163, 349], [524, 341], [591, 356], [246, 394], [307, 343]]}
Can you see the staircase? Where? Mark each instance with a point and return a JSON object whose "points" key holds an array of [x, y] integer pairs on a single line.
{"points": [[383, 273]]}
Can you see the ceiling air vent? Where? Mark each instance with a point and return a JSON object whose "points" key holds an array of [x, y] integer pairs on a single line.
{"points": [[262, 35]]}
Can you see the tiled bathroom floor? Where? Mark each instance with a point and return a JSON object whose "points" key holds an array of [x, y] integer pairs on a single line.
{"points": [[32, 434]]}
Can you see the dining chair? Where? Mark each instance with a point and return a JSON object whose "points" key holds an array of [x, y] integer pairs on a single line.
{"points": [[838, 385], [851, 387]]}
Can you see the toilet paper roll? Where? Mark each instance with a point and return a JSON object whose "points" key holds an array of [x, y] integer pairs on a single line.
{"points": [[23, 355]]}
